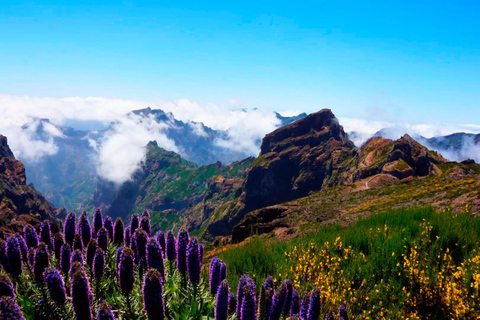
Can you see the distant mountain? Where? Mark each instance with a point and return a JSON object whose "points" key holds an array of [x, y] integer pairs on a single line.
{"points": [[20, 203]]}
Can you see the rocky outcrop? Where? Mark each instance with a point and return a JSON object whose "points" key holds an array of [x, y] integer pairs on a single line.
{"points": [[19, 202]]}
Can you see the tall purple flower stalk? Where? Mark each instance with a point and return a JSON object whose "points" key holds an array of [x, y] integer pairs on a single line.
{"points": [[155, 257], [125, 271], [314, 306], [31, 236], [57, 244], [3, 256], [76, 266], [102, 239], [304, 306], [215, 267], [223, 271], [41, 262], [105, 312], [91, 250], [9, 309], [77, 242], [182, 242], [6, 286], [46, 235], [145, 224], [295, 308], [127, 236], [77, 256], [55, 286], [23, 247], [247, 311], [269, 283], [118, 257], [134, 223], [268, 302], [65, 257], [97, 221], [108, 225], [223, 301], [171, 246], [99, 264], [81, 295], [14, 256], [288, 297], [69, 228], [242, 283], [342, 311], [278, 303], [118, 232], [194, 264], [84, 229], [153, 296], [141, 239], [161, 240]]}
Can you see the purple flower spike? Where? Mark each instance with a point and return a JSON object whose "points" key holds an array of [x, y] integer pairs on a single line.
{"points": [[278, 302], [102, 239], [134, 223], [125, 273], [141, 239], [295, 308], [223, 271], [76, 266], [269, 283], [9, 309], [84, 229], [14, 256], [3, 256], [342, 311], [23, 247], [153, 296], [215, 268], [6, 286], [304, 306], [155, 257], [182, 242], [77, 256], [171, 246], [77, 242], [91, 250], [105, 312], [55, 286], [223, 301], [45, 235], [314, 306], [108, 225], [99, 264], [97, 221], [31, 236], [41, 262], [81, 295], [118, 232], [242, 283], [288, 298], [65, 257], [161, 240], [194, 264], [118, 257], [69, 228], [248, 304], [57, 244], [127, 236], [268, 302], [145, 224]]}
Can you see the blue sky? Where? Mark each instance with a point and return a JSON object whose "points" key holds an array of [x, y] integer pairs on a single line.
{"points": [[387, 60]]}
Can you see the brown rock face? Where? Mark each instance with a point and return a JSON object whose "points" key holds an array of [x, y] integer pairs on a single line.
{"points": [[20, 203]]}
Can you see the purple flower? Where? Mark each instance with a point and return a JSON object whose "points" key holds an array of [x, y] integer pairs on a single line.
{"points": [[288, 297], [248, 304], [223, 301], [295, 308], [269, 283], [108, 225], [69, 228], [171, 247], [99, 264], [134, 222], [215, 267], [155, 257], [91, 250], [118, 257], [119, 232], [304, 306], [153, 296], [77, 242], [105, 312], [278, 303], [182, 242], [23, 246], [55, 286], [342, 311], [84, 229], [161, 240], [76, 266], [3, 256], [125, 272], [31, 236], [133, 245], [77, 256], [145, 213], [57, 244], [9, 309], [45, 234], [81, 295], [194, 264], [65, 257], [141, 239], [6, 286], [14, 256], [223, 271], [102, 239], [97, 221], [127, 236], [145, 224], [314, 306], [242, 283], [329, 316], [41, 262], [268, 302]]}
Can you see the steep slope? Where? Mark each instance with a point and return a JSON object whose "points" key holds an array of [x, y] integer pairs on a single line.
{"points": [[20, 203]]}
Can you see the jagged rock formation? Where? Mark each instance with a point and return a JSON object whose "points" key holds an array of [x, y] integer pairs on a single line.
{"points": [[19, 202]]}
